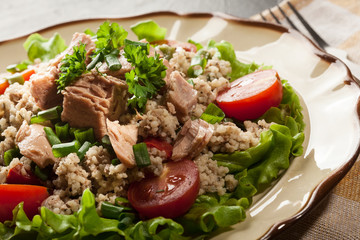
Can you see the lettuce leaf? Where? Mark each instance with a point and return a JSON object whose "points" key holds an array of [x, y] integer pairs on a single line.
{"points": [[227, 53], [149, 30], [210, 212], [37, 46]]}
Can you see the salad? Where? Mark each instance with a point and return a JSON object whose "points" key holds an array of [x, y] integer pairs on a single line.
{"points": [[116, 138]]}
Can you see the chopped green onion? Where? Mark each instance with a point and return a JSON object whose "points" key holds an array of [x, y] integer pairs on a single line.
{"points": [[51, 136], [199, 62], [106, 140], [43, 174], [112, 60], [141, 153], [48, 114], [96, 60], [64, 149], [62, 130], [119, 201], [191, 82], [10, 154], [212, 114], [109, 210], [84, 135], [83, 149], [17, 77], [115, 161], [12, 68], [167, 51]]}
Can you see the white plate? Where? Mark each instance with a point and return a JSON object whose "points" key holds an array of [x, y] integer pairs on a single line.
{"points": [[329, 97]]}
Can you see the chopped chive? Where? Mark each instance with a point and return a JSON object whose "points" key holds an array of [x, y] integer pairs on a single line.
{"points": [[96, 60], [121, 200], [12, 68], [17, 77], [109, 210], [83, 149], [48, 114], [113, 62], [197, 60], [106, 140], [10, 154], [64, 149], [62, 130], [141, 153], [51, 136], [115, 161], [212, 114], [43, 174], [84, 135]]}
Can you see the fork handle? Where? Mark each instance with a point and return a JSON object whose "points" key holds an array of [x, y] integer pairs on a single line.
{"points": [[342, 55]]}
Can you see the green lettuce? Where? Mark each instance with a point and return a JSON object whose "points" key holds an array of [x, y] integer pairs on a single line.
{"points": [[227, 53], [149, 30], [37, 46]]}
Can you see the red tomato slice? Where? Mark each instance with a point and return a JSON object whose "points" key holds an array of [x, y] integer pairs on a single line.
{"points": [[189, 47], [13, 194], [251, 96], [169, 195], [16, 177], [160, 144]]}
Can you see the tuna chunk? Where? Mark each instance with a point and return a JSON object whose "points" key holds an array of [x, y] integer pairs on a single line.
{"points": [[75, 41], [193, 137], [33, 144], [125, 67], [181, 95], [44, 90], [122, 138], [92, 99]]}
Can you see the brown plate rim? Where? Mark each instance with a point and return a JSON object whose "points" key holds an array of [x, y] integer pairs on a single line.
{"points": [[324, 187]]}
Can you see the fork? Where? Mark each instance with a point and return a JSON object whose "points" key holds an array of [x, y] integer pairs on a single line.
{"points": [[340, 54]]}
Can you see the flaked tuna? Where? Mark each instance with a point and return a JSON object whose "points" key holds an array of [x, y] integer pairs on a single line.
{"points": [[181, 95], [122, 138], [44, 90], [193, 137], [92, 99], [33, 144]]}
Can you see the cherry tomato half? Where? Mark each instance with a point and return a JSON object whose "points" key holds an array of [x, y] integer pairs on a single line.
{"points": [[251, 96], [169, 195], [15, 176], [189, 47], [160, 145], [13, 194]]}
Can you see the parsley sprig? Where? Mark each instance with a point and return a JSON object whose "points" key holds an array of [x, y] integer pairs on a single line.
{"points": [[72, 66], [109, 38], [146, 79]]}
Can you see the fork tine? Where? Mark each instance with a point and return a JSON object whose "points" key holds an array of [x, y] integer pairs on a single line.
{"points": [[263, 18], [312, 32], [273, 15], [287, 18]]}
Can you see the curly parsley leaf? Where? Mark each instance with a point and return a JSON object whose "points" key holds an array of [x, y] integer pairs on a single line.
{"points": [[109, 38], [72, 66], [146, 78]]}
